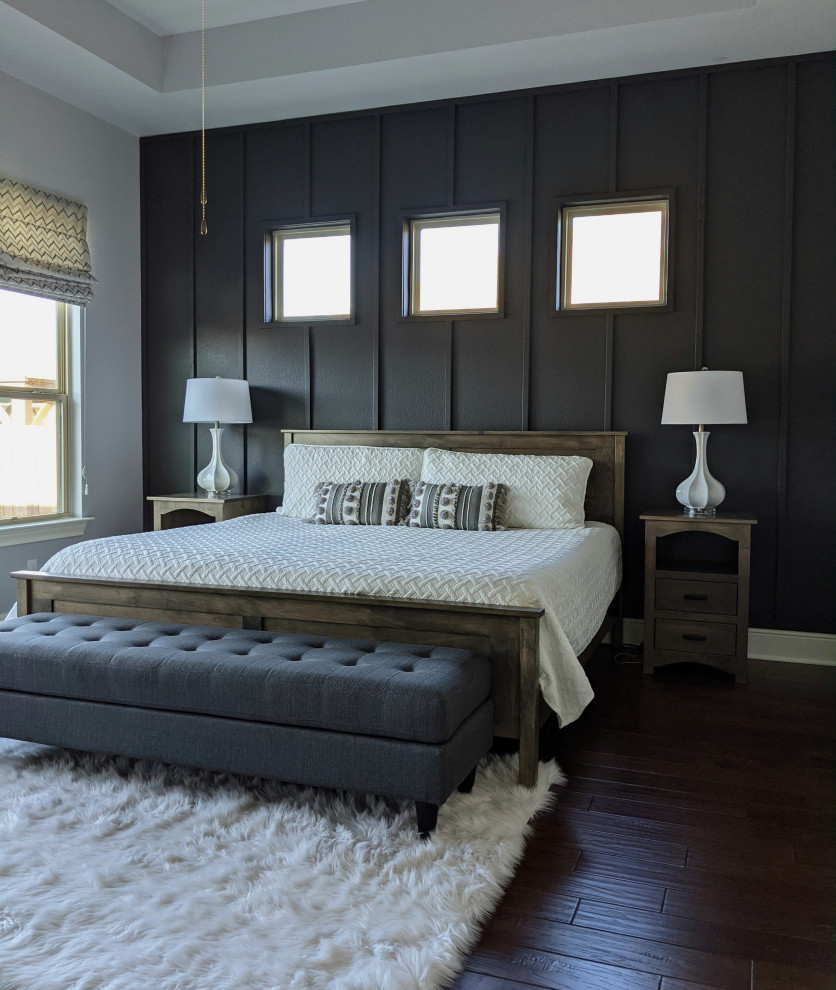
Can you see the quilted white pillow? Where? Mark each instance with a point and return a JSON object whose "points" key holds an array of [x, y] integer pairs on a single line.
{"points": [[545, 491], [305, 465]]}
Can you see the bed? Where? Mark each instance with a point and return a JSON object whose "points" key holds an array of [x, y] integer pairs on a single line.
{"points": [[372, 582]]}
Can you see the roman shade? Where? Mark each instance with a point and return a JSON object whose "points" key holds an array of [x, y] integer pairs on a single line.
{"points": [[43, 244]]}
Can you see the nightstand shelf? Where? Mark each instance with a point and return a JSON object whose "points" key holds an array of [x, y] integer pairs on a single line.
{"points": [[697, 610], [196, 508]]}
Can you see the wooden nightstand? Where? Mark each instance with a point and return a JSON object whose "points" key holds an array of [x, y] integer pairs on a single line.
{"points": [[696, 608], [192, 508]]}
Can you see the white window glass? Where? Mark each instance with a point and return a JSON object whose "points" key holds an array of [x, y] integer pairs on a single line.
{"points": [[313, 272], [33, 407], [455, 265], [28, 341], [615, 255]]}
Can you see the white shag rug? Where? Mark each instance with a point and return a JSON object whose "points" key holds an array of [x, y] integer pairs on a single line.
{"points": [[118, 874]]}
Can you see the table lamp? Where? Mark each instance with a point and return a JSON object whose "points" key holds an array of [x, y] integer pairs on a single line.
{"points": [[217, 400], [703, 397]]}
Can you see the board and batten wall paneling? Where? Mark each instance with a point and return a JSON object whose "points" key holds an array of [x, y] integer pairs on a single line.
{"points": [[749, 152], [415, 356], [343, 359], [168, 218], [219, 284], [489, 354], [663, 115], [276, 187], [568, 352], [743, 300], [807, 575]]}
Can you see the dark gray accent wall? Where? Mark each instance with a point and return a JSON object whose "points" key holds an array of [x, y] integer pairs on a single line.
{"points": [[749, 151]]}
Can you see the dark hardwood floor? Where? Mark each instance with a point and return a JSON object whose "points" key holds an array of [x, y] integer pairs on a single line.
{"points": [[691, 848]]}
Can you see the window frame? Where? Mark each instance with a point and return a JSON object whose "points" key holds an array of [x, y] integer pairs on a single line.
{"points": [[609, 202], [310, 227], [62, 396], [448, 216]]}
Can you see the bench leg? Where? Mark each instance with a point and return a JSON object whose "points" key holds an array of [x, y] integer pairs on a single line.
{"points": [[466, 786], [427, 815]]}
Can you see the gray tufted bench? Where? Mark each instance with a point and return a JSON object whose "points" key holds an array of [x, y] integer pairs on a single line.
{"points": [[402, 720]]}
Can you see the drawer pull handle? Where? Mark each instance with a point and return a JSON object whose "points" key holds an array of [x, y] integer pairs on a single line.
{"points": [[695, 598], [694, 637]]}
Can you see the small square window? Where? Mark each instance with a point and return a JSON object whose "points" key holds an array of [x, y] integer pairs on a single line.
{"points": [[454, 264], [614, 254], [312, 272]]}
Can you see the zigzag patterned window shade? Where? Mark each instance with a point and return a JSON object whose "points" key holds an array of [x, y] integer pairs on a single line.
{"points": [[43, 244]]}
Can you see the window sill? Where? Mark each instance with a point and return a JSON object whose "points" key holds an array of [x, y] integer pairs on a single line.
{"points": [[36, 532]]}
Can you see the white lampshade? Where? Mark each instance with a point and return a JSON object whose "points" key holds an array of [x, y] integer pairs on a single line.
{"points": [[704, 397], [217, 400]]}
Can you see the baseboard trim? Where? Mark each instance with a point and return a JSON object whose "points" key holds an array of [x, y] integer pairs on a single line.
{"points": [[782, 645]]}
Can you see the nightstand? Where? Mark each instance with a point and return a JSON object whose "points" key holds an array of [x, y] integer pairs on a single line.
{"points": [[696, 590], [192, 508]]}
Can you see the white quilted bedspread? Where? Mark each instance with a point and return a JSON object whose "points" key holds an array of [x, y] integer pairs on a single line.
{"points": [[573, 574]]}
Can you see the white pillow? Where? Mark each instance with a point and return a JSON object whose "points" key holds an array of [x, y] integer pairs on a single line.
{"points": [[545, 491], [305, 465]]}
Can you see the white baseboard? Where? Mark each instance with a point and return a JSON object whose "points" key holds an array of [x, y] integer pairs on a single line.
{"points": [[768, 644], [792, 647]]}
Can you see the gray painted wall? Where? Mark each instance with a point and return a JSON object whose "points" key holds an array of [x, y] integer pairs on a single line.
{"points": [[53, 146]]}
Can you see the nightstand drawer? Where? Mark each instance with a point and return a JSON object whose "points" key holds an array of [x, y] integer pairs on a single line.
{"points": [[695, 637], [714, 597]]}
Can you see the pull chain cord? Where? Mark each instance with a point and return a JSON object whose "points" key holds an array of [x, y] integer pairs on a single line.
{"points": [[203, 228]]}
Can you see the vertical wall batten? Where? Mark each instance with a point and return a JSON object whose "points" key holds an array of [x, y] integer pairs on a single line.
{"points": [[612, 183], [196, 185], [242, 156], [699, 260], [786, 323], [528, 280], [375, 297], [609, 333], [609, 325]]}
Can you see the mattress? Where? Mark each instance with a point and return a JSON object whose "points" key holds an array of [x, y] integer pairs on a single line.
{"points": [[573, 574]]}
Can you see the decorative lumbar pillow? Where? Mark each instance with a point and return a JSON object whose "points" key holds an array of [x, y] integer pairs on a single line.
{"points": [[545, 491], [307, 464], [446, 506], [357, 503]]}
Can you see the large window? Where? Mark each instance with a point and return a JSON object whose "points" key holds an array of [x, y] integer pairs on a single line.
{"points": [[34, 408], [312, 272], [613, 254], [453, 264]]}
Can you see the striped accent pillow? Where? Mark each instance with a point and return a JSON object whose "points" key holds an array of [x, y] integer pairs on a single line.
{"points": [[479, 507], [357, 503]]}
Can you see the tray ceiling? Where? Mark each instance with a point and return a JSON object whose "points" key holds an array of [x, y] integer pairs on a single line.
{"points": [[136, 63]]}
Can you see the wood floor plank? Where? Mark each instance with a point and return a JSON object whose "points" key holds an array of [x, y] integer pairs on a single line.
{"points": [[481, 981], [788, 913], [746, 840], [548, 970], [794, 874], [775, 976], [625, 894], [670, 983], [710, 936], [623, 951]]}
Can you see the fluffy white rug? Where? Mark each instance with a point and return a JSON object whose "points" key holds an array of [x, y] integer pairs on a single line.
{"points": [[119, 875]]}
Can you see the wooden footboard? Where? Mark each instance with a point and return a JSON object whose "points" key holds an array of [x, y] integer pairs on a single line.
{"points": [[508, 635]]}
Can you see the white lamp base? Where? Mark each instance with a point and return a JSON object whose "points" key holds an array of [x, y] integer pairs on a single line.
{"points": [[217, 478], [700, 493]]}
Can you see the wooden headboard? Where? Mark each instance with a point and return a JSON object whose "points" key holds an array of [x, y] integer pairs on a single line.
{"points": [[604, 490]]}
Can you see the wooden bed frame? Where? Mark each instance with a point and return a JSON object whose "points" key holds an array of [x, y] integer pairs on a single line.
{"points": [[508, 635]]}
